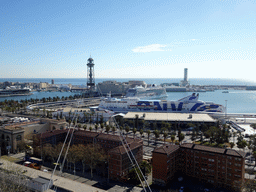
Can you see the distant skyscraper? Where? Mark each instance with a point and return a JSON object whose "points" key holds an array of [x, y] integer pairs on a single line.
{"points": [[186, 74], [90, 75], [185, 82], [52, 81]]}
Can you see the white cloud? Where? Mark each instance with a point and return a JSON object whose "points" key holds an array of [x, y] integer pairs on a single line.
{"points": [[149, 48]]}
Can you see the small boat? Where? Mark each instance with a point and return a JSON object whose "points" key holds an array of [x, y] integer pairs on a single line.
{"points": [[225, 91]]}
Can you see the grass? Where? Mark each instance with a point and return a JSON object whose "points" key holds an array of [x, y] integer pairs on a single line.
{"points": [[8, 158]]}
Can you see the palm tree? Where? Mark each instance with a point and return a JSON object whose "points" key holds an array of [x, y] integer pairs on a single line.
{"points": [[134, 132], [148, 132], [141, 132], [121, 129], [107, 128], [181, 137], [127, 129], [102, 126], [113, 129], [96, 127], [136, 121], [157, 134], [172, 138], [165, 136]]}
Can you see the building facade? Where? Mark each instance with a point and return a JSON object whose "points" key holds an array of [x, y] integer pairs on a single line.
{"points": [[118, 161], [222, 167]]}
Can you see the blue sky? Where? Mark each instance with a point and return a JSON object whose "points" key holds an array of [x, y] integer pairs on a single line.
{"points": [[128, 39]]}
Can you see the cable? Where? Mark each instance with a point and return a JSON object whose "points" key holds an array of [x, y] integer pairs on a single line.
{"points": [[123, 139], [61, 152]]}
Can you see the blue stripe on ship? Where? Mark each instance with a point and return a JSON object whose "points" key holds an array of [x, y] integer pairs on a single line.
{"points": [[180, 106], [173, 107], [196, 106]]}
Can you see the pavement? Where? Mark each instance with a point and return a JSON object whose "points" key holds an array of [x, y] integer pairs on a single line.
{"points": [[69, 181]]}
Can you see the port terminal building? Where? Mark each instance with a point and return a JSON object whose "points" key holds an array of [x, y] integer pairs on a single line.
{"points": [[182, 118]]}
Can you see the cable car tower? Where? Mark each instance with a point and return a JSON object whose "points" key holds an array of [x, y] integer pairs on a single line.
{"points": [[90, 76]]}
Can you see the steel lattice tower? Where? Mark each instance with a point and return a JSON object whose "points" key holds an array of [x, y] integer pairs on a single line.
{"points": [[90, 75]]}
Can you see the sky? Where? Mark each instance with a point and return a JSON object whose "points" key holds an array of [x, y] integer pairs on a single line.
{"points": [[128, 39]]}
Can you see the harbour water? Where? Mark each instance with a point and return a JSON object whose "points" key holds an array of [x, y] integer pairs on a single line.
{"points": [[238, 101]]}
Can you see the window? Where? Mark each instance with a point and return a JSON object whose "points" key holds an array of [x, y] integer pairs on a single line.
{"points": [[18, 138]]}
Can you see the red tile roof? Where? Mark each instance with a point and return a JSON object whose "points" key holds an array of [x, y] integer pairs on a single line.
{"points": [[121, 149], [166, 149], [230, 152]]}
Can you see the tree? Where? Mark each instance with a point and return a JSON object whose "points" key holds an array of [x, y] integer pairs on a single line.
{"points": [[172, 138], [107, 128], [96, 127], [90, 128], [141, 132], [79, 125], [249, 185], [121, 129], [148, 132], [193, 136], [232, 145], [94, 155], [113, 129], [85, 127], [181, 136], [242, 144], [134, 130], [165, 136], [145, 167], [13, 179], [136, 121], [157, 134], [102, 125], [127, 129], [75, 152]]}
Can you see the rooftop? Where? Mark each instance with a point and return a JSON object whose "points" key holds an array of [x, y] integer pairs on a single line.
{"points": [[185, 117], [166, 149], [230, 152], [121, 150]]}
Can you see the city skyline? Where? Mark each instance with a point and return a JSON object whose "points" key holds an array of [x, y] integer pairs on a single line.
{"points": [[146, 39]]}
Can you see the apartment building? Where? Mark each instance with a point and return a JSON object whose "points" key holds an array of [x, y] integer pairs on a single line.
{"points": [[222, 167], [164, 162], [118, 161]]}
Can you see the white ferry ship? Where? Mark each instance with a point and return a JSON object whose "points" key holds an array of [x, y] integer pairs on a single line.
{"points": [[188, 104], [147, 92]]}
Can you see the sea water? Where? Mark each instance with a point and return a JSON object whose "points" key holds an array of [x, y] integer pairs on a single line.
{"points": [[237, 101]]}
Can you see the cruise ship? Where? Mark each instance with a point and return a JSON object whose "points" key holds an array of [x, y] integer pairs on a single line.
{"points": [[188, 104], [147, 92], [14, 92]]}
